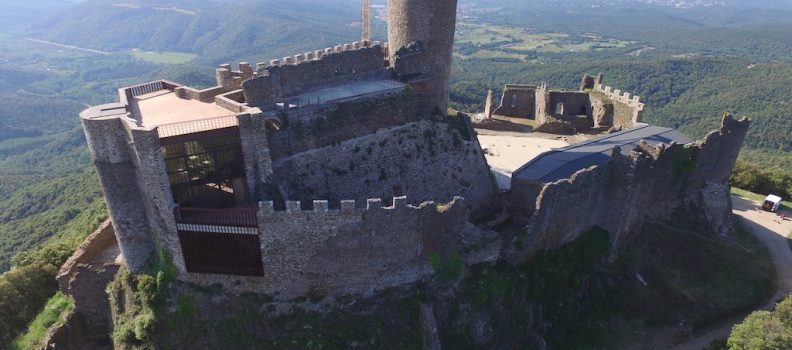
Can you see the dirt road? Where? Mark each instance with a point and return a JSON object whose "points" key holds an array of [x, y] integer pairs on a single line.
{"points": [[772, 232]]}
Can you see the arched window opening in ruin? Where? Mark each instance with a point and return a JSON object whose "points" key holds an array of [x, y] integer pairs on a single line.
{"points": [[514, 101], [272, 125], [559, 108], [582, 110]]}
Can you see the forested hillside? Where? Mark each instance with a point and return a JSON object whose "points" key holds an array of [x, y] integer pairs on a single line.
{"points": [[218, 32]]}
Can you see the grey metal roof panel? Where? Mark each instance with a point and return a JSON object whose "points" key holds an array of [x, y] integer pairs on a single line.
{"points": [[563, 162], [570, 168]]}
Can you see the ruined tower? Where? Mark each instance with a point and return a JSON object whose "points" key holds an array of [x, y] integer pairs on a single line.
{"points": [[421, 43]]}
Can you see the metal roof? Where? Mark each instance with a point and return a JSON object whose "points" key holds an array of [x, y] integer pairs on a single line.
{"points": [[561, 163]]}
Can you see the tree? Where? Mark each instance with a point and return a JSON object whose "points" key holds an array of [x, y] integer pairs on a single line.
{"points": [[760, 331]]}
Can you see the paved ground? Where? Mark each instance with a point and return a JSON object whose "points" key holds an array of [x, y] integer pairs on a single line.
{"points": [[772, 232], [507, 151]]}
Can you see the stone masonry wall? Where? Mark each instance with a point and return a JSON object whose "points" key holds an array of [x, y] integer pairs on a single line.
{"points": [[332, 69], [649, 184], [425, 161], [601, 105], [310, 128], [158, 196], [350, 250], [95, 243], [628, 110], [523, 97], [112, 148], [421, 38]]}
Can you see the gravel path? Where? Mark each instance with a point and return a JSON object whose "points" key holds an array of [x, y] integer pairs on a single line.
{"points": [[772, 232]]}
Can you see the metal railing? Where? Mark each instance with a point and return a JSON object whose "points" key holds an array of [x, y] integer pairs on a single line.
{"points": [[216, 217], [176, 129], [221, 253]]}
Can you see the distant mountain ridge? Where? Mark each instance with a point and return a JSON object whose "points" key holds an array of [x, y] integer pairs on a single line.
{"points": [[17, 13]]}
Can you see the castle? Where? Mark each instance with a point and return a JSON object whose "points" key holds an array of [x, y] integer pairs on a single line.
{"points": [[593, 106], [339, 171]]}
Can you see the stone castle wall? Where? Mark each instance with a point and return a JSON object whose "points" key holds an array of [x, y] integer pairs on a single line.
{"points": [[349, 250], [518, 101], [621, 194], [95, 243], [628, 110], [424, 161], [323, 125], [337, 67], [594, 106]]}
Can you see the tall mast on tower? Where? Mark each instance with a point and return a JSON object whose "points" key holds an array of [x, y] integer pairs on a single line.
{"points": [[365, 23]]}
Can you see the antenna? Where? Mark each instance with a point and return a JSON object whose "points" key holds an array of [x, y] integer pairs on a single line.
{"points": [[365, 23]]}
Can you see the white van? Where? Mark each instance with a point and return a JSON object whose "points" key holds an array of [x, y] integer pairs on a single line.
{"points": [[771, 203]]}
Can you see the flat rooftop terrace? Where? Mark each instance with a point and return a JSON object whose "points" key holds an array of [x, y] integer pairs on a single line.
{"points": [[346, 92], [165, 107], [507, 152]]}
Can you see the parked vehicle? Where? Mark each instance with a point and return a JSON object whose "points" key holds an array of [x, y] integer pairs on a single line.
{"points": [[771, 203]]}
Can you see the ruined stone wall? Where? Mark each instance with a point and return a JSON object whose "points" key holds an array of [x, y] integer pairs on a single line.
{"points": [[574, 103], [425, 161], [421, 38], [519, 197], [628, 110], [518, 101], [334, 68], [622, 193], [350, 250], [230, 79], [602, 111], [320, 126], [602, 106], [95, 243]]}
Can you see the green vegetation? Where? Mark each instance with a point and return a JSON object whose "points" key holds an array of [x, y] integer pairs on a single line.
{"points": [[165, 57], [25, 289], [194, 317], [451, 268], [764, 330], [752, 178], [58, 306], [681, 163]]}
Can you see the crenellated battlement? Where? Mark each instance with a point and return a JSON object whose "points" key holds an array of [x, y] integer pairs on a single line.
{"points": [[231, 79], [347, 206], [618, 95], [261, 67], [301, 74]]}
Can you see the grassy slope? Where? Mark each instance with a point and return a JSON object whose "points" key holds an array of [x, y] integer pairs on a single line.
{"points": [[53, 312]]}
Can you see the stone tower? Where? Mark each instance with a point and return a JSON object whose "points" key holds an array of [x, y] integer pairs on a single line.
{"points": [[421, 43], [115, 158]]}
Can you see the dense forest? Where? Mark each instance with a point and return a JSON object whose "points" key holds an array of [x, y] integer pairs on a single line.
{"points": [[689, 66]]}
